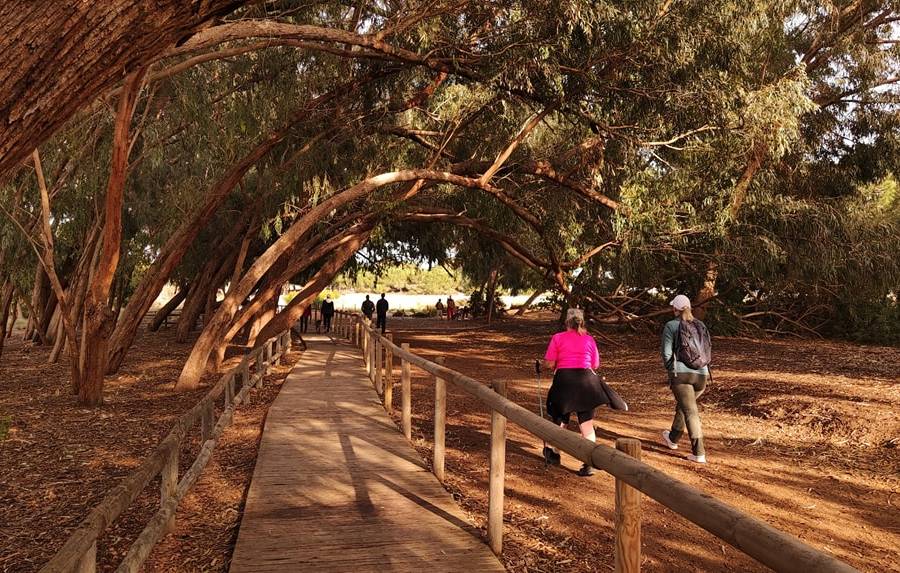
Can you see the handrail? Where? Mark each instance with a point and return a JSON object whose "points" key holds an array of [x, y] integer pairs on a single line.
{"points": [[79, 551], [776, 549]]}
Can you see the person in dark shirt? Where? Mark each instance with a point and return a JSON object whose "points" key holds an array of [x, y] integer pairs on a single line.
{"points": [[381, 310], [368, 308], [304, 318], [327, 313]]}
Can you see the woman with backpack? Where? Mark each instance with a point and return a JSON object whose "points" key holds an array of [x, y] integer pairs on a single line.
{"points": [[576, 388], [686, 352]]}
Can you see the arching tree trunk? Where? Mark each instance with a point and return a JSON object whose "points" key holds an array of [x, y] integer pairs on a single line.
{"points": [[178, 244], [57, 57], [291, 313], [263, 317], [167, 309], [194, 303], [527, 304], [173, 251], [269, 285], [196, 363]]}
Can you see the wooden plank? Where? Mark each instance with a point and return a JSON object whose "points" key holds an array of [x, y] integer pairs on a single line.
{"points": [[346, 496]]}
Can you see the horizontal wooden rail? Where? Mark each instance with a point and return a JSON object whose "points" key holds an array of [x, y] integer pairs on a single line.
{"points": [[774, 548], [79, 551]]}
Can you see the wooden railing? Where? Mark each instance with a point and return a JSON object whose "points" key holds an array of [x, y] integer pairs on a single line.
{"points": [[79, 553], [776, 549]]}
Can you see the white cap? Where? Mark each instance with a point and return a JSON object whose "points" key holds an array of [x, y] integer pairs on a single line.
{"points": [[572, 312], [680, 302]]}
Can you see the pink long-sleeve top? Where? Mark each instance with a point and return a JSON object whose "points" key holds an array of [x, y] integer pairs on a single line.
{"points": [[570, 349]]}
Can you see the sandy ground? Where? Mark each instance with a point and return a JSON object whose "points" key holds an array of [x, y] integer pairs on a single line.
{"points": [[805, 435]]}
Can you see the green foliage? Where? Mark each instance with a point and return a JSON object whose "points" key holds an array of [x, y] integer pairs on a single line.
{"points": [[410, 279]]}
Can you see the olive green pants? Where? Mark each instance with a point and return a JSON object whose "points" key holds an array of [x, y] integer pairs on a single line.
{"points": [[687, 388]]}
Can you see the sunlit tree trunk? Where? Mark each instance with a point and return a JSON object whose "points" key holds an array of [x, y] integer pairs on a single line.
{"points": [[98, 318], [291, 313], [167, 309]]}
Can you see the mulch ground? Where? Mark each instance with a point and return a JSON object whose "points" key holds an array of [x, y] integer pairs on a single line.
{"points": [[805, 435], [802, 434], [58, 460]]}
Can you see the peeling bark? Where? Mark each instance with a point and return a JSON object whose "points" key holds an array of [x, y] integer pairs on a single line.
{"points": [[57, 57]]}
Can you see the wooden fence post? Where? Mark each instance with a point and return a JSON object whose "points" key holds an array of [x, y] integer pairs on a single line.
{"points": [[276, 344], [88, 561], [260, 365], [287, 341], [389, 376], [628, 515], [440, 423], [169, 482], [365, 348], [497, 475], [206, 422], [355, 334], [405, 394], [379, 366], [245, 383]]}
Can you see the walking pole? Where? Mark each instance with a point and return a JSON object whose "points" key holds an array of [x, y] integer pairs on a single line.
{"points": [[537, 377]]}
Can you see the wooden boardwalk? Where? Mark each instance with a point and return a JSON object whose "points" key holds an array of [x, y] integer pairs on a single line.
{"points": [[338, 488]]}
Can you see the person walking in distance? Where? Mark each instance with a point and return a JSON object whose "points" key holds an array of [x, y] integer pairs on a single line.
{"points": [[439, 307], [304, 318], [368, 308], [686, 354], [451, 308], [327, 311], [576, 388], [381, 309]]}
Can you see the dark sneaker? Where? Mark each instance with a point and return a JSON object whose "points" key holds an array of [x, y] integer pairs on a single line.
{"points": [[586, 471], [551, 457]]}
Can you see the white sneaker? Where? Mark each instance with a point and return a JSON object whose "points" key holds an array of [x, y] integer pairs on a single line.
{"points": [[672, 445], [698, 459]]}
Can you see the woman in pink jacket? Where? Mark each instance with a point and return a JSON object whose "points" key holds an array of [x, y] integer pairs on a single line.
{"points": [[576, 387]]}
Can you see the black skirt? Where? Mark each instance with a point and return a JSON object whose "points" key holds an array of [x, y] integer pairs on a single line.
{"points": [[574, 390]]}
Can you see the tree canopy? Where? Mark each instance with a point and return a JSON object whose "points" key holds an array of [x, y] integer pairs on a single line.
{"points": [[745, 153]]}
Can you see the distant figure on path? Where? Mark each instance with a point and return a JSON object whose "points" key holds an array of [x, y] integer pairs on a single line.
{"points": [[686, 352], [576, 388], [368, 308], [327, 313], [451, 308], [381, 310], [304, 318], [439, 307]]}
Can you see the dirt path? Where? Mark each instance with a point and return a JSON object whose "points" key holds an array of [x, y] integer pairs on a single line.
{"points": [[805, 435], [802, 434], [58, 460]]}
